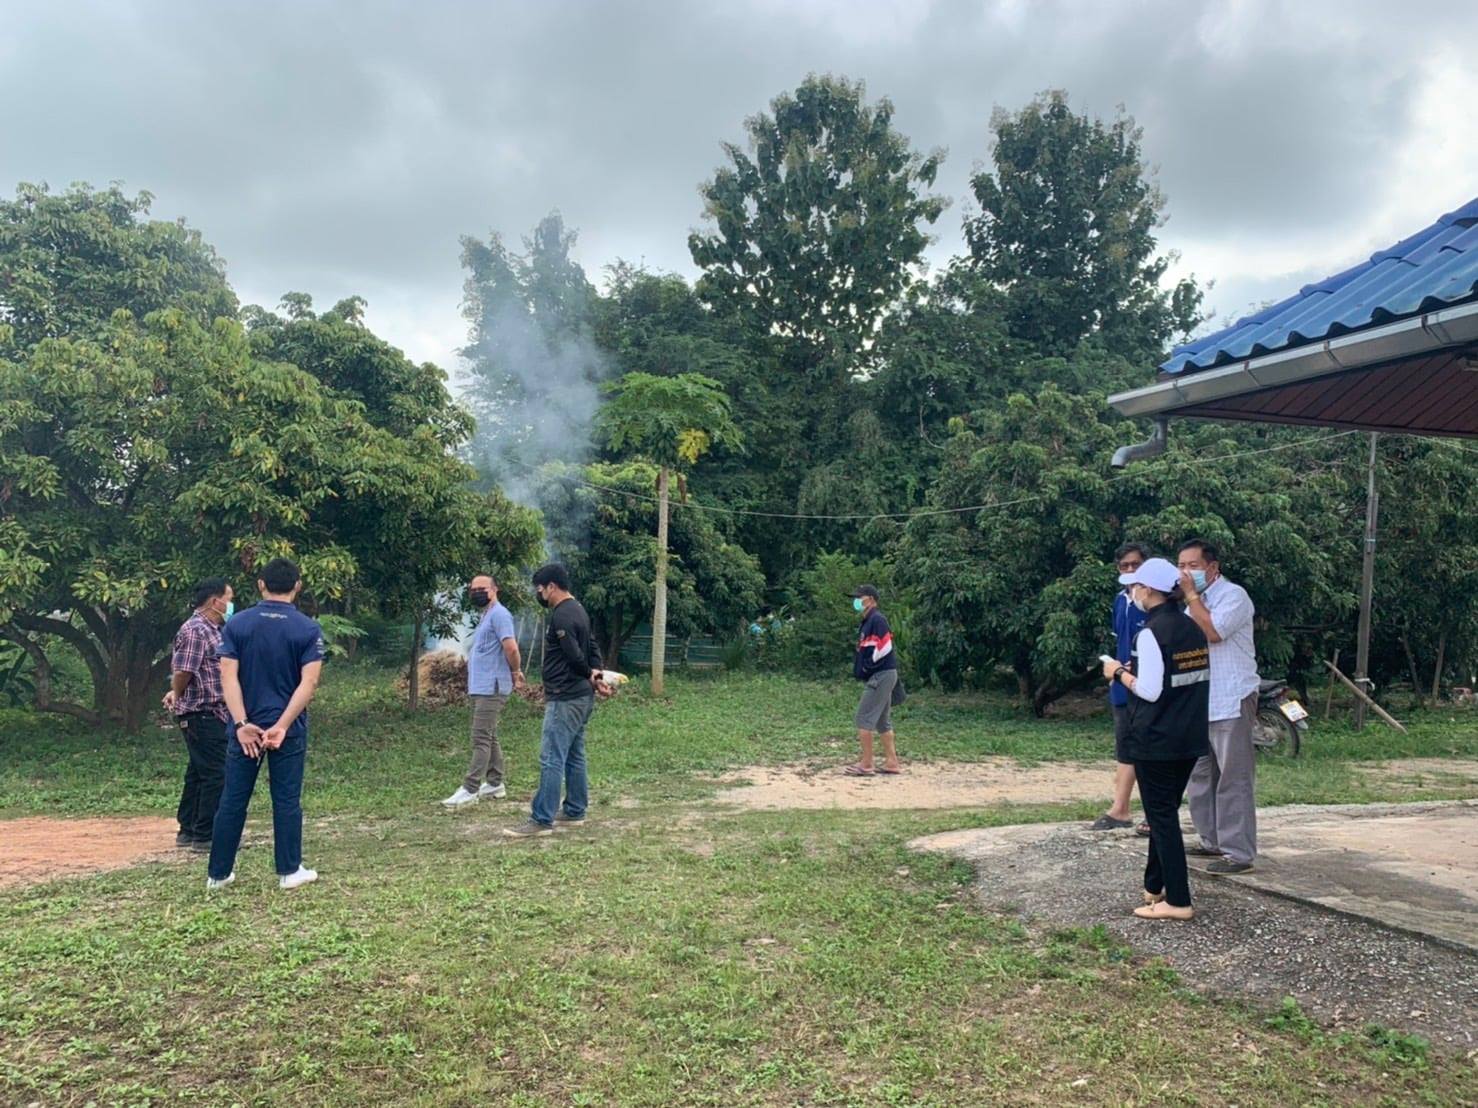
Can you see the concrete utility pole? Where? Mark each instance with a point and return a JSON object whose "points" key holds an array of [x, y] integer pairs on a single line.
{"points": [[1367, 587]]}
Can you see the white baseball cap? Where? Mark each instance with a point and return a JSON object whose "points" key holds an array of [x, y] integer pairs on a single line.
{"points": [[1157, 573]]}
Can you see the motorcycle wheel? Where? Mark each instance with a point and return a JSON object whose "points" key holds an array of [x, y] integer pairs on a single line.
{"points": [[1274, 734]]}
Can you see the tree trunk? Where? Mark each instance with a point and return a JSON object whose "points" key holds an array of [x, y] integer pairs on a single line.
{"points": [[1051, 691], [1441, 661], [42, 682], [413, 681], [138, 689], [610, 647], [1024, 682], [659, 608], [1416, 681], [351, 647]]}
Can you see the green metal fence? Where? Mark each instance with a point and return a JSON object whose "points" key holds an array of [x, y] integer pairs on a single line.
{"points": [[698, 652]]}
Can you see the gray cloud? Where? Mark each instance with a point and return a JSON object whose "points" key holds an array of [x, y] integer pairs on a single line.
{"points": [[341, 147]]}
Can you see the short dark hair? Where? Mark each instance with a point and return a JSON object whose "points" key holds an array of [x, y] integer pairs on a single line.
{"points": [[280, 575], [209, 589], [1209, 553], [552, 574], [1133, 548]]}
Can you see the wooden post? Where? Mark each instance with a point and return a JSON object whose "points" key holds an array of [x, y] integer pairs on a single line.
{"points": [[1361, 696], [1329, 693], [659, 608], [1367, 589]]}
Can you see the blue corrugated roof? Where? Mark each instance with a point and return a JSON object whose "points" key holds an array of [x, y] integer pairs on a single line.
{"points": [[1430, 270]]}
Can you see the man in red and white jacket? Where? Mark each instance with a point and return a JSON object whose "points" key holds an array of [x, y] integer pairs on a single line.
{"points": [[876, 666]]}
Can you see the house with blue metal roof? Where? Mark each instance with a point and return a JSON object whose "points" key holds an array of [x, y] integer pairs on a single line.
{"points": [[1387, 345]]}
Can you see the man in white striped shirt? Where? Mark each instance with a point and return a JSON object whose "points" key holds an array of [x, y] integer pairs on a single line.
{"points": [[1221, 794]]}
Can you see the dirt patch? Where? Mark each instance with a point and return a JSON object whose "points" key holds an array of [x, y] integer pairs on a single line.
{"points": [[40, 849], [1409, 775], [921, 785]]}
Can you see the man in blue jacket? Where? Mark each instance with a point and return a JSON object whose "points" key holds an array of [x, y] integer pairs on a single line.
{"points": [[876, 665], [1127, 623]]}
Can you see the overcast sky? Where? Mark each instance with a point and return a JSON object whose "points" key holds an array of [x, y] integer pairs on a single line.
{"points": [[342, 147]]}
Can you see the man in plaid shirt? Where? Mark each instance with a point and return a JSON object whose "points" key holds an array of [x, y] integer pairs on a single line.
{"points": [[198, 704]]}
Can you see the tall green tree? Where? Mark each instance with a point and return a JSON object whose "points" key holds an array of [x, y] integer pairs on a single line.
{"points": [[1011, 572], [818, 221], [672, 421], [818, 225], [1068, 211]]}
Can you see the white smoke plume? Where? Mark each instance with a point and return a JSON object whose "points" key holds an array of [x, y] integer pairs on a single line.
{"points": [[532, 369]]}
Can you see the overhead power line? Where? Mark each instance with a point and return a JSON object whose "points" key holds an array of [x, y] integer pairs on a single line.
{"points": [[717, 509]]}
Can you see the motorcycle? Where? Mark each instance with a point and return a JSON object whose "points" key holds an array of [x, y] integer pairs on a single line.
{"points": [[1281, 720]]}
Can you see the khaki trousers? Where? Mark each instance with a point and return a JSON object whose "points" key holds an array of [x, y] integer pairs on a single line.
{"points": [[487, 753]]}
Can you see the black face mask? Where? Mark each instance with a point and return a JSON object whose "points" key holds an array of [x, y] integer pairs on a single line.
{"points": [[542, 599], [479, 597]]}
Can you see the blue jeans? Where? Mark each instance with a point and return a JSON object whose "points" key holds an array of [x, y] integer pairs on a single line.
{"points": [[285, 769], [562, 759]]}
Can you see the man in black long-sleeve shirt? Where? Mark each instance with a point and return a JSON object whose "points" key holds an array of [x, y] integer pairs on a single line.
{"points": [[571, 672]]}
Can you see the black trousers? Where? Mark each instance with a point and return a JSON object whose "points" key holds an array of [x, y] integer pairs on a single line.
{"points": [[205, 776], [1161, 790]]}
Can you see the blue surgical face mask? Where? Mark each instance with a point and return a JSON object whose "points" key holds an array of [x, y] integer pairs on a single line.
{"points": [[857, 603], [1198, 578], [230, 611]]}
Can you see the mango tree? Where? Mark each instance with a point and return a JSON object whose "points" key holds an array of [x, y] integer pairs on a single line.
{"points": [[146, 442]]}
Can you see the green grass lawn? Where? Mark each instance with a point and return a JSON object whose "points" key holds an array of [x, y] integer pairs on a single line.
{"points": [[668, 953]]}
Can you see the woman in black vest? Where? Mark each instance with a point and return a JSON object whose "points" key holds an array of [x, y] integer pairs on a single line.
{"points": [[1169, 684]]}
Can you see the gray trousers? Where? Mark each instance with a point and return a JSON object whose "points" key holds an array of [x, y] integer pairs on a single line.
{"points": [[487, 753], [1221, 790]]}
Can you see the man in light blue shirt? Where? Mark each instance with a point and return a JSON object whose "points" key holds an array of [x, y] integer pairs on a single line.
{"points": [[494, 670]]}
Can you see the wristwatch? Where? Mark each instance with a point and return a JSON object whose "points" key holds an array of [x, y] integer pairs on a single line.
{"points": [[240, 723]]}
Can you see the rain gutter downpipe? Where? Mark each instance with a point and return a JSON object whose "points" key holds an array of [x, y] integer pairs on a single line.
{"points": [[1150, 448]]}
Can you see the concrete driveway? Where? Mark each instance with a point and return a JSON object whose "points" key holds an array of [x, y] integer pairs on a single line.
{"points": [[1361, 912]]}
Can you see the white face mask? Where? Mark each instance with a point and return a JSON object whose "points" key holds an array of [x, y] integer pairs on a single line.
{"points": [[1134, 598]]}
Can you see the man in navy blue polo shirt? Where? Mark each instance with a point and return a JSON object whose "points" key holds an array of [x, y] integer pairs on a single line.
{"points": [[271, 655]]}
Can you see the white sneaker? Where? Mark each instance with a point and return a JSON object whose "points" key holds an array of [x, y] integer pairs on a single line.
{"points": [[304, 876], [212, 883], [459, 798], [492, 792]]}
